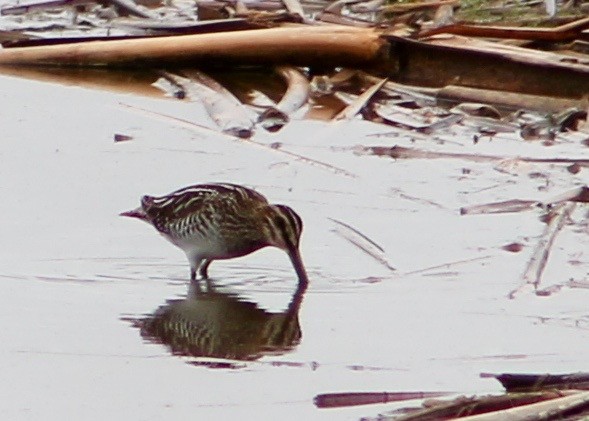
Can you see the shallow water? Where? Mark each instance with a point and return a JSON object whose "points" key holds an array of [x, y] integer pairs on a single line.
{"points": [[78, 284]]}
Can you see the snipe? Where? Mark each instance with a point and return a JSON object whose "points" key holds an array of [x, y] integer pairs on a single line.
{"points": [[221, 221]]}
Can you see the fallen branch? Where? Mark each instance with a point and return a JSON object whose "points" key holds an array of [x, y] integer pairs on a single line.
{"points": [[451, 95], [511, 101], [338, 400], [535, 382], [296, 95], [473, 406], [324, 45], [561, 33], [545, 410], [535, 268], [511, 68], [401, 152], [508, 206], [580, 195]]}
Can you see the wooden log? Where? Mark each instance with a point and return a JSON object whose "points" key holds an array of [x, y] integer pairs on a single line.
{"points": [[452, 60], [566, 32], [297, 44], [511, 101], [552, 409]]}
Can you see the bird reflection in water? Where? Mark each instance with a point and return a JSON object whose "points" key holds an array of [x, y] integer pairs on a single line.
{"points": [[220, 324]]}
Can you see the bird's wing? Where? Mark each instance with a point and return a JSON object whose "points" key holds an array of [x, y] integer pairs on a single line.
{"points": [[193, 199]]}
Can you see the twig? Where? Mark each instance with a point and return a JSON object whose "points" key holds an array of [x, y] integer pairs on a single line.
{"points": [[579, 194], [446, 265], [508, 206], [401, 152], [415, 199], [191, 125], [338, 400], [535, 268], [354, 108], [363, 243]]}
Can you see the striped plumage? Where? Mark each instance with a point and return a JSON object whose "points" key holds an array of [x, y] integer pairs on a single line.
{"points": [[221, 221], [221, 324]]}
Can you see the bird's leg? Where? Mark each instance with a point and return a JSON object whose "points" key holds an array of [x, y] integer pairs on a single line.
{"points": [[195, 263], [203, 269]]}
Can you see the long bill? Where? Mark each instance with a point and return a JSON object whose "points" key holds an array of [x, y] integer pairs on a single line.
{"points": [[299, 267], [138, 213]]}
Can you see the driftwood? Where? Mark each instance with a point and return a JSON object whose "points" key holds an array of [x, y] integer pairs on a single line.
{"points": [[566, 32], [472, 406], [225, 110], [330, 45], [354, 108], [297, 93], [296, 96], [339, 400], [182, 27], [401, 152], [510, 101], [535, 382], [508, 206], [544, 410], [533, 274], [580, 195], [405, 117], [451, 95], [486, 65]]}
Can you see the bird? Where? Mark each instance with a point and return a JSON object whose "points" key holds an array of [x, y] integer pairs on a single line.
{"points": [[221, 323], [221, 221]]}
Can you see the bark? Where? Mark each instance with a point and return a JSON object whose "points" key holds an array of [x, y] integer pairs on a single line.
{"points": [[326, 46]]}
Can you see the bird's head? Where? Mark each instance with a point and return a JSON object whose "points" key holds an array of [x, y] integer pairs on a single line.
{"points": [[284, 231]]}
